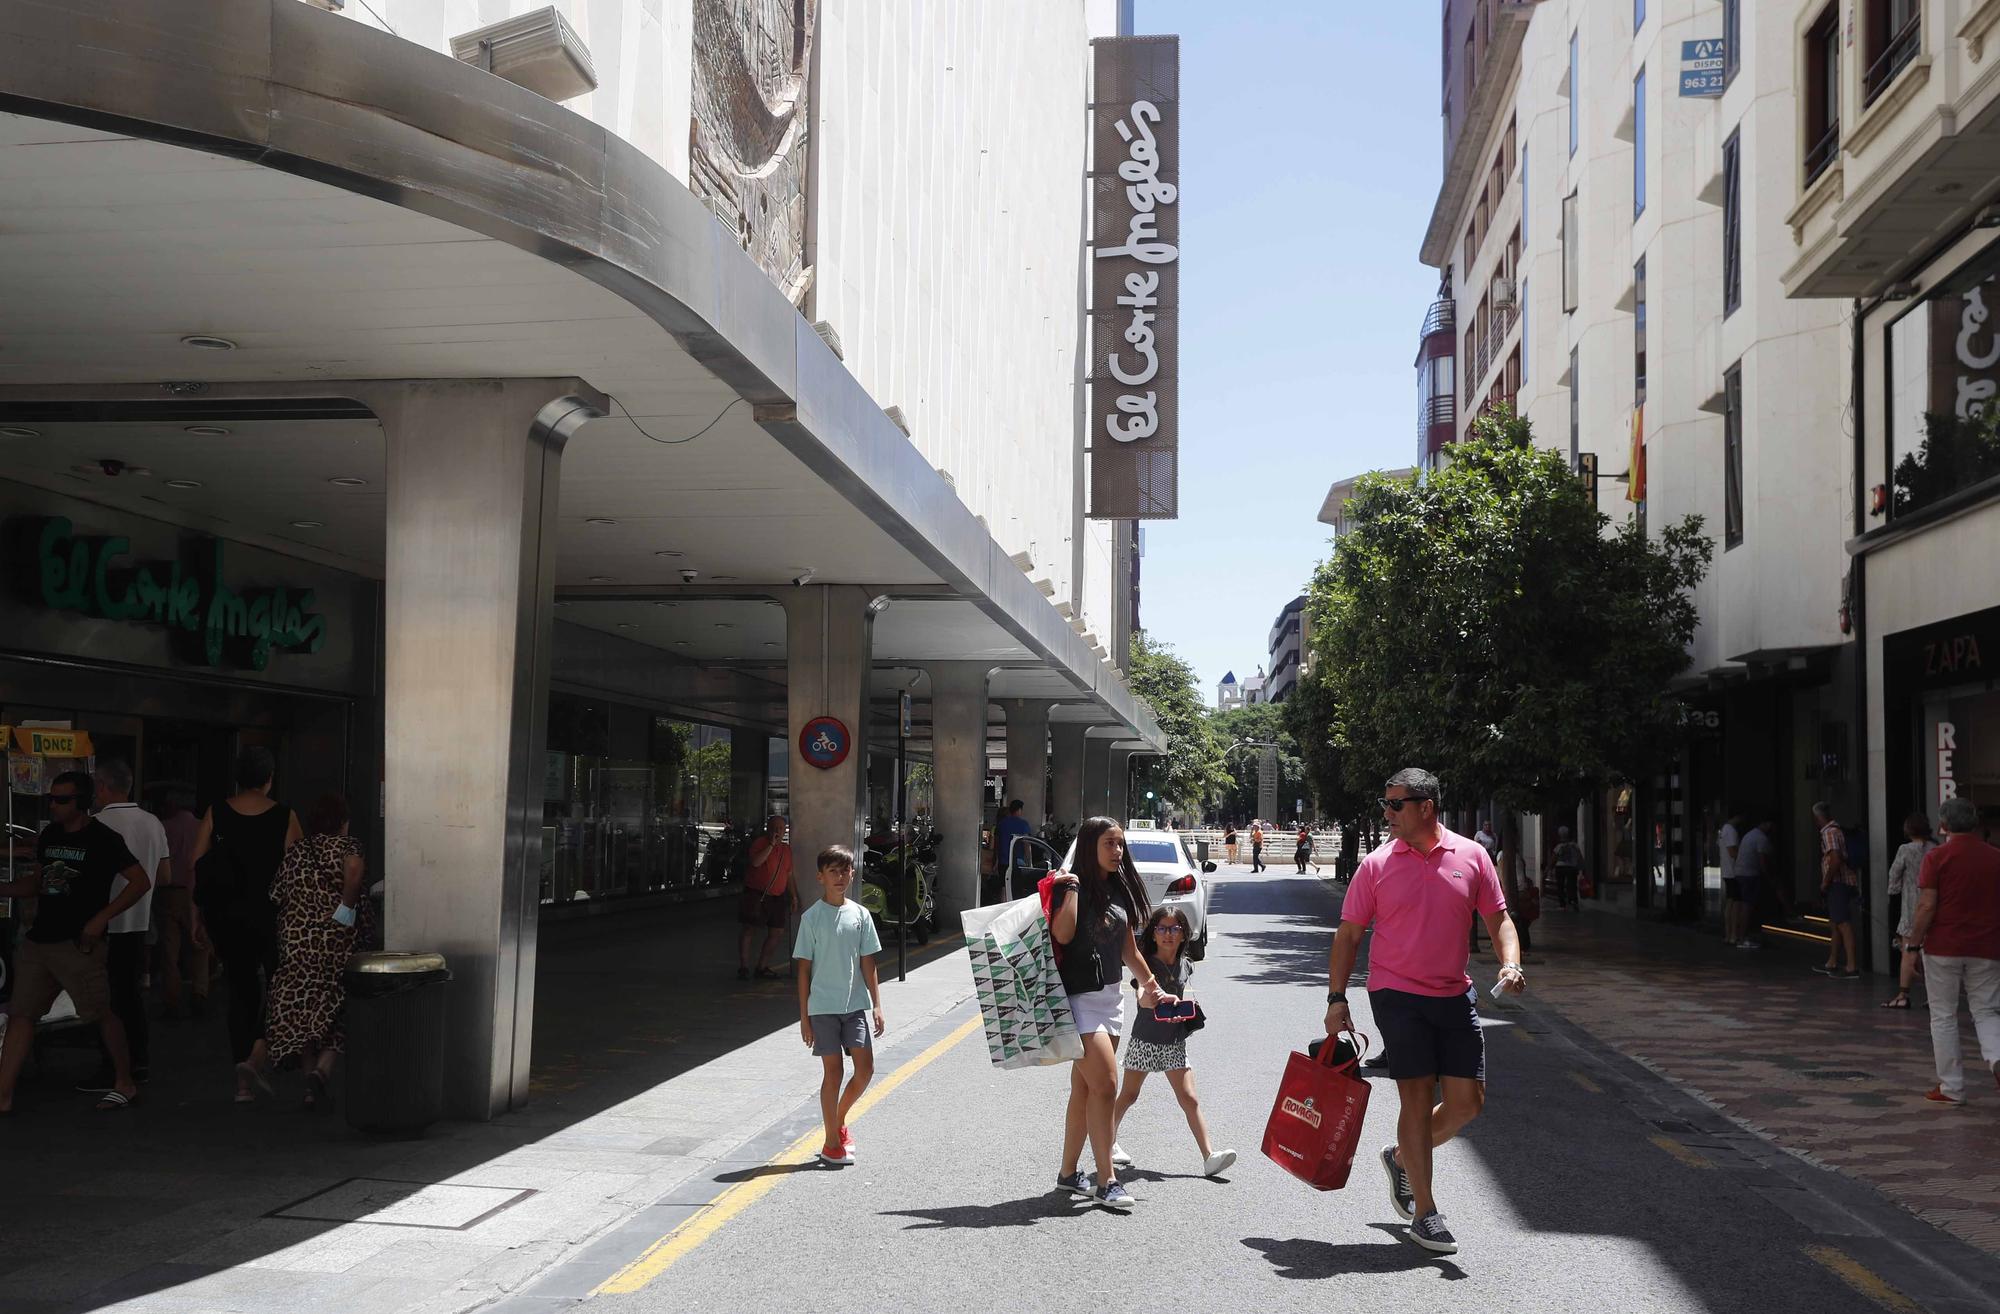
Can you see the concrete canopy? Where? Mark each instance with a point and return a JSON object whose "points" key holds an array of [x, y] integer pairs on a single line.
{"points": [[343, 205]]}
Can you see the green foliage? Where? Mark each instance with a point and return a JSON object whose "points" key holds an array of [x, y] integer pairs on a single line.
{"points": [[1956, 454], [1262, 722], [1309, 720], [710, 767], [1190, 773], [1481, 623]]}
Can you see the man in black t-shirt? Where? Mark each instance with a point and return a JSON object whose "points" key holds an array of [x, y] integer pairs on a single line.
{"points": [[75, 863]]}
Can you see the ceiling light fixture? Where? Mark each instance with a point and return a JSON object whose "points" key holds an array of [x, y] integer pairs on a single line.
{"points": [[670, 554], [207, 342], [309, 524], [349, 481], [599, 520], [207, 431], [626, 625], [19, 431], [724, 625], [184, 483], [600, 579]]}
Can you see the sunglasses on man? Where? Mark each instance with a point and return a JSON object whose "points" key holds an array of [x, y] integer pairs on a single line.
{"points": [[1396, 804], [67, 800]]}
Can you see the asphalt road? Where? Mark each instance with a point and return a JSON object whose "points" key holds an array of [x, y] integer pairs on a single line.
{"points": [[1588, 1184]]}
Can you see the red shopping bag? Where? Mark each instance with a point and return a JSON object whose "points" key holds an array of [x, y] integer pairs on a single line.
{"points": [[1315, 1124]]}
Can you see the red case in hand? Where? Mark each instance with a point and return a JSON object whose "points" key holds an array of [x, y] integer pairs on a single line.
{"points": [[1315, 1124]]}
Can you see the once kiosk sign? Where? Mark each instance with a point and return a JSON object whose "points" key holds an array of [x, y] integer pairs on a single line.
{"points": [[1135, 279], [224, 625]]}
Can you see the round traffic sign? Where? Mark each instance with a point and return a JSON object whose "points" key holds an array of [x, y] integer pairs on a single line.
{"points": [[824, 742]]}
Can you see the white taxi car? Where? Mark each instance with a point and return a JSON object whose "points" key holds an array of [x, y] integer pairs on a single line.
{"points": [[1166, 865]]}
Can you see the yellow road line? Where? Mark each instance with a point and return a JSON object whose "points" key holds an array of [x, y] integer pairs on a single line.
{"points": [[1681, 1152], [669, 1249], [1586, 1083], [1863, 1279]]}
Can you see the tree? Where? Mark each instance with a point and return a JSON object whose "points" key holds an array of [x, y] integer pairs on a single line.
{"points": [[1263, 723], [1481, 622], [1190, 773], [1309, 721]]}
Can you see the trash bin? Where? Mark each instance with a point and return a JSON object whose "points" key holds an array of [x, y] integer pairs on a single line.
{"points": [[395, 1041], [1201, 850]]}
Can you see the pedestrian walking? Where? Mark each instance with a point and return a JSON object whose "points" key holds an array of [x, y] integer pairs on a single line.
{"points": [[317, 894], [1904, 870], [768, 900], [1229, 842], [77, 860], [1256, 847], [242, 840], [1302, 853], [1162, 1046], [1421, 891], [1837, 882], [1753, 867], [838, 986], [1007, 857], [1735, 920], [1566, 861], [1958, 928], [125, 943], [1092, 910], [174, 917]]}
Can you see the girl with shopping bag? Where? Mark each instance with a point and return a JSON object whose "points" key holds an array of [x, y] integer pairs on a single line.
{"points": [[1091, 912], [1161, 1046]]}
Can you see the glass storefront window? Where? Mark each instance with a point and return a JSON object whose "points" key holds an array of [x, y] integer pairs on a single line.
{"points": [[1962, 751], [1944, 376]]}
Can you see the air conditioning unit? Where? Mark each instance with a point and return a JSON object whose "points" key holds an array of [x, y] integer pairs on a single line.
{"points": [[1503, 294], [537, 50]]}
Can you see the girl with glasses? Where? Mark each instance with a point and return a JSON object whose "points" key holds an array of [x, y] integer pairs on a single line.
{"points": [[1162, 1046]]}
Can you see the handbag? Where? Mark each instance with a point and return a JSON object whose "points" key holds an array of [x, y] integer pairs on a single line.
{"points": [[1079, 963], [1315, 1123], [1198, 1021], [1021, 999]]}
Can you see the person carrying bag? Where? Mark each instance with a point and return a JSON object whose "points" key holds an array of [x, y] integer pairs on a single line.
{"points": [[1315, 1123]]}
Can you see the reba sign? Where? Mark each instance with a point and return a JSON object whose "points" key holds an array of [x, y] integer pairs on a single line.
{"points": [[1135, 279], [1965, 351]]}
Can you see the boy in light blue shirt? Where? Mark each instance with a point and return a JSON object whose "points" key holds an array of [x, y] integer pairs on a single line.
{"points": [[836, 947]]}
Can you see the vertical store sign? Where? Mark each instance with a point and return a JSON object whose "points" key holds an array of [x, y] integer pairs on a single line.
{"points": [[1134, 438]]}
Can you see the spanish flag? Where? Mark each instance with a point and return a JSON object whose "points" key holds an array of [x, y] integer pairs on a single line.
{"points": [[1635, 487]]}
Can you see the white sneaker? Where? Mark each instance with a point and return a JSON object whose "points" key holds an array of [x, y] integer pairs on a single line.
{"points": [[1119, 1157], [1218, 1163]]}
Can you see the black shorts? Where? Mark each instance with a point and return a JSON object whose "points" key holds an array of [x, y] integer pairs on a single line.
{"points": [[1430, 1035], [1840, 903], [1732, 889], [773, 911]]}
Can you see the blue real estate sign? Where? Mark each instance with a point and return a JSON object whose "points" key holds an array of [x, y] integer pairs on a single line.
{"points": [[1701, 67]]}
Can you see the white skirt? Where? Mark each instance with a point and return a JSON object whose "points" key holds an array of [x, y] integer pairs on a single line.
{"points": [[1100, 1010]]}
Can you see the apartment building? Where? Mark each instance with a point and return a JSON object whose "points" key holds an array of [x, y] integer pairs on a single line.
{"points": [[1895, 204], [1291, 649], [1612, 234]]}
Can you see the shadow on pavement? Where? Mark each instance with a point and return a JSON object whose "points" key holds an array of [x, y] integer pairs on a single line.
{"points": [[1047, 1207], [1301, 1259]]}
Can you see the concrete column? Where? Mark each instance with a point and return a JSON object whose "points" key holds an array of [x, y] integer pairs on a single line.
{"points": [[1118, 784], [828, 631], [469, 582], [958, 764], [1096, 778], [749, 776], [1027, 756], [1066, 772]]}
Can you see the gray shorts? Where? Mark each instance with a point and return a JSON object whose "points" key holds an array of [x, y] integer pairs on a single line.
{"points": [[836, 1033]]}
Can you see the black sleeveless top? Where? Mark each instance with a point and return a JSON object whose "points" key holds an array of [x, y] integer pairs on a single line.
{"points": [[259, 841]]}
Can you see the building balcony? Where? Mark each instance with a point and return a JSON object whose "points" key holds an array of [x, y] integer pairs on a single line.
{"points": [[1437, 421], [1440, 332], [1497, 27]]}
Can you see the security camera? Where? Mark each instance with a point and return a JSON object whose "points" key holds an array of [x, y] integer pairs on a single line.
{"points": [[804, 577], [689, 576]]}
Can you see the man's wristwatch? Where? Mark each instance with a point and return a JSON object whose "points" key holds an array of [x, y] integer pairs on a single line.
{"points": [[1336, 996]]}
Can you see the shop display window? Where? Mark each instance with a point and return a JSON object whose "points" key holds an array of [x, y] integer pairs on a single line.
{"points": [[1944, 376]]}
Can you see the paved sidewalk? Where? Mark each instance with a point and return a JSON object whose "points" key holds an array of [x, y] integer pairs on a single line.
{"points": [[1814, 1063], [652, 1064]]}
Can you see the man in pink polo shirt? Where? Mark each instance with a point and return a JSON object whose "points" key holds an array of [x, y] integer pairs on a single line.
{"points": [[1421, 891]]}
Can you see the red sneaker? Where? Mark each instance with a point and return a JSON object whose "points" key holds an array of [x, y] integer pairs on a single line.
{"points": [[847, 1141], [1936, 1095], [835, 1154]]}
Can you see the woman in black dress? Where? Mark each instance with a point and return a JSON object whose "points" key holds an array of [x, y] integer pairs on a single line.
{"points": [[242, 841]]}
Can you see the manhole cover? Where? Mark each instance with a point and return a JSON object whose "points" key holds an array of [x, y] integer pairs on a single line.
{"points": [[1838, 1074], [389, 1203]]}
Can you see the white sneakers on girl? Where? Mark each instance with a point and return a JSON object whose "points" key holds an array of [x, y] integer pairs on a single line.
{"points": [[1216, 1164]]}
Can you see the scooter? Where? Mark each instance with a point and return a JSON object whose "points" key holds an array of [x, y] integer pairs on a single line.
{"points": [[911, 868]]}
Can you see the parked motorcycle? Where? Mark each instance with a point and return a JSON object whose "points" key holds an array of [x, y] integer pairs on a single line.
{"points": [[900, 882]]}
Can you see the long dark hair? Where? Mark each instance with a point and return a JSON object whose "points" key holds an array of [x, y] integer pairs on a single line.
{"points": [[1097, 888]]}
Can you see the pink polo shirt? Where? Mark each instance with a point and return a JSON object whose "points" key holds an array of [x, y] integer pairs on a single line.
{"points": [[1422, 908]]}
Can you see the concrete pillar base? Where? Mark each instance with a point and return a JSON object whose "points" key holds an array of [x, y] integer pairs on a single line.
{"points": [[958, 765]]}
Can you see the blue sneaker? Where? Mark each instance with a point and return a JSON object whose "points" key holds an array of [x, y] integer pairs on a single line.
{"points": [[1079, 1183], [1400, 1193], [1431, 1233], [1113, 1195]]}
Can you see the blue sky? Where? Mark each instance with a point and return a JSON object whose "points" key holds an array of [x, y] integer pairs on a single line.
{"points": [[1310, 154]]}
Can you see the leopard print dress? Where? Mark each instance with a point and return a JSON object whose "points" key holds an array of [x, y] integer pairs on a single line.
{"points": [[306, 995]]}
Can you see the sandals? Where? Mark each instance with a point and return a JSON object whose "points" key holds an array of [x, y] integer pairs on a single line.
{"points": [[769, 974], [316, 1095], [1901, 999], [251, 1073], [113, 1100]]}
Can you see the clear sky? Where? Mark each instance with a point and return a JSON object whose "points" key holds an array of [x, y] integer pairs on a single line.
{"points": [[1310, 156]]}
